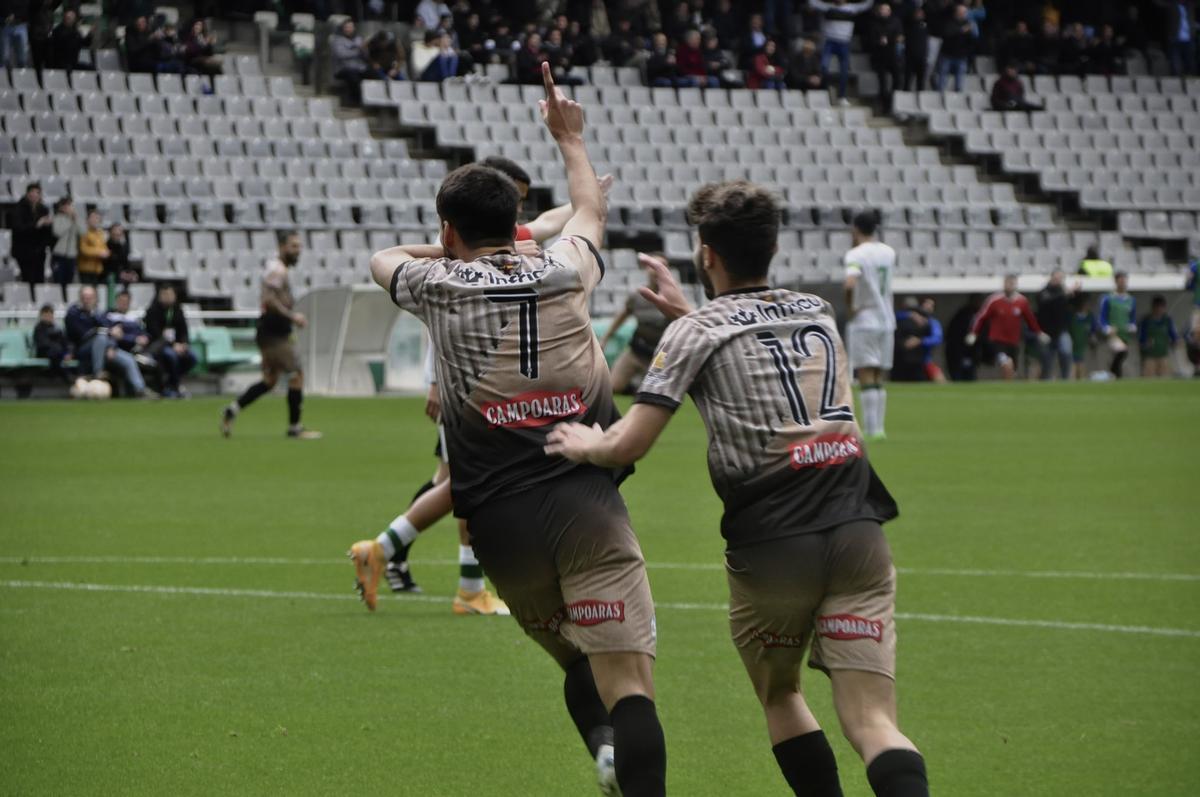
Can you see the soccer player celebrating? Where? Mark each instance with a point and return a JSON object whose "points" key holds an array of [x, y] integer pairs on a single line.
{"points": [[516, 353], [872, 324], [1003, 313], [275, 342], [806, 557]]}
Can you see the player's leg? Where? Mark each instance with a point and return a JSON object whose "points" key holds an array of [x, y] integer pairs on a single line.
{"points": [[625, 684], [270, 375], [1007, 363], [473, 596], [856, 645], [870, 382], [398, 573], [370, 557], [774, 588], [295, 400], [1065, 355]]}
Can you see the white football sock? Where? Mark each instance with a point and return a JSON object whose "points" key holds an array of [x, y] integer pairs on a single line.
{"points": [[867, 397], [399, 534], [470, 574], [880, 409]]}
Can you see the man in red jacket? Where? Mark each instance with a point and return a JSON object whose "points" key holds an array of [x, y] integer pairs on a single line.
{"points": [[1003, 313], [689, 60]]}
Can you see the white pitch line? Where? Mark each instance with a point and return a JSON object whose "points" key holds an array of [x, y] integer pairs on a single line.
{"points": [[712, 566], [227, 592]]}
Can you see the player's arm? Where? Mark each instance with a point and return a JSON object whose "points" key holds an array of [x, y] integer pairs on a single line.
{"points": [[1031, 320], [977, 324], [385, 262], [273, 296], [935, 336], [669, 298], [850, 285], [552, 222], [1104, 325], [564, 119], [623, 443], [614, 325]]}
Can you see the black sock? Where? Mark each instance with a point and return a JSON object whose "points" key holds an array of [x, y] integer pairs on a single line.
{"points": [[640, 752], [1118, 363], [808, 765], [586, 708], [253, 393], [898, 773], [295, 398], [426, 487]]}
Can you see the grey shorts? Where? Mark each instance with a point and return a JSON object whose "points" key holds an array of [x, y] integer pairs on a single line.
{"points": [[834, 589], [564, 557]]}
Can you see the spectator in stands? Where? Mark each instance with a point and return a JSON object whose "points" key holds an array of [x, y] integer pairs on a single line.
{"points": [[1093, 265], [93, 250], [41, 23], [199, 50], [1180, 35], [804, 72], [916, 50], [66, 229], [561, 57], [767, 69], [151, 50], [1054, 315], [958, 45], [66, 42], [1003, 314], [1118, 321], [1008, 92], [529, 61], [753, 41], [681, 22], [689, 58], [976, 15], [719, 65], [167, 329], [348, 56], [95, 347], [1157, 338], [625, 46], [726, 24], [837, 26], [124, 326], [447, 62], [599, 23], [31, 222], [1020, 49], [885, 44], [1107, 54], [472, 39], [583, 45], [644, 15], [661, 68], [118, 268], [1048, 44], [431, 12], [49, 341], [1073, 51], [14, 33], [386, 57]]}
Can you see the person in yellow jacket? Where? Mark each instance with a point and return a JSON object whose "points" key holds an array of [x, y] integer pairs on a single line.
{"points": [[93, 250], [1093, 266]]}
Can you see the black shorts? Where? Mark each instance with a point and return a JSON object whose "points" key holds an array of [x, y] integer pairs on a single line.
{"points": [[995, 349], [564, 557]]}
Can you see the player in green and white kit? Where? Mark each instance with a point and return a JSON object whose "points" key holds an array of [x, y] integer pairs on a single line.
{"points": [[1118, 318], [1156, 337], [871, 330], [1084, 329]]}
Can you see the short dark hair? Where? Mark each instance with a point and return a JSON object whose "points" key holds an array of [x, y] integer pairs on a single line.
{"points": [[46, 308], [480, 203], [1093, 253], [1158, 301], [740, 222], [32, 186], [866, 222], [508, 167], [282, 236], [1121, 274]]}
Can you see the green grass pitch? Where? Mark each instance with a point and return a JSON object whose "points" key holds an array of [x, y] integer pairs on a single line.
{"points": [[223, 652]]}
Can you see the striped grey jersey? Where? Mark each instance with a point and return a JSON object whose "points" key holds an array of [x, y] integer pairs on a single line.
{"points": [[515, 354], [768, 373]]}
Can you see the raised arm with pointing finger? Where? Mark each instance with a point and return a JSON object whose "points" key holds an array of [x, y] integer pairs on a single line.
{"points": [[564, 118]]}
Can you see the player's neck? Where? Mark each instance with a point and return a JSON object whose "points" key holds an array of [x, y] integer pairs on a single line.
{"points": [[484, 251], [747, 286]]}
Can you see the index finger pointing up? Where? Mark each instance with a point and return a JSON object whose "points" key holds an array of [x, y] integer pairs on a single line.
{"points": [[548, 81]]}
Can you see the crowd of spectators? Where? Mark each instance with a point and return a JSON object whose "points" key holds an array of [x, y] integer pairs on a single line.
{"points": [[802, 44], [153, 44], [76, 250]]}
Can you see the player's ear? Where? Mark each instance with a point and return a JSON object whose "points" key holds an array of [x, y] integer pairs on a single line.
{"points": [[447, 236]]}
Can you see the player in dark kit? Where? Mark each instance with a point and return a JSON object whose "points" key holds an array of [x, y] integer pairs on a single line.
{"points": [[275, 343], [806, 557], [516, 353]]}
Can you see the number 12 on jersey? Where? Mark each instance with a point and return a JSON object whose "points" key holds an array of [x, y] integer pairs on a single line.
{"points": [[781, 358]]}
